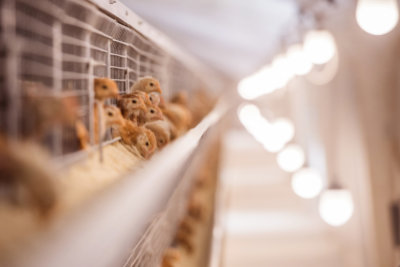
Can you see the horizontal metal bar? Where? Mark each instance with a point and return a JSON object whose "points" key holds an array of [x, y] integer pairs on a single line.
{"points": [[98, 48], [74, 75], [65, 161], [118, 68]]}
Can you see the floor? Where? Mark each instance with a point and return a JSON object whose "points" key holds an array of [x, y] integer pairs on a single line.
{"points": [[266, 224]]}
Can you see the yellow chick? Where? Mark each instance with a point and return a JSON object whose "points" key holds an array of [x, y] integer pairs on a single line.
{"points": [[150, 86], [26, 179], [161, 130], [43, 109], [132, 106], [184, 240], [147, 84], [196, 207], [105, 88], [152, 113], [179, 117], [132, 135], [107, 122], [171, 257]]}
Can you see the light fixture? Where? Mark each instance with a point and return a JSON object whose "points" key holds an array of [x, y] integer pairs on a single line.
{"points": [[280, 132], [281, 71], [273, 137], [249, 115], [272, 145], [377, 17], [248, 87], [291, 158], [336, 206], [307, 183], [319, 46], [260, 83], [283, 128], [251, 118], [298, 60]]}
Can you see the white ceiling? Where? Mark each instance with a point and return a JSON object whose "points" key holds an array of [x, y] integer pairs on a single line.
{"points": [[235, 37]]}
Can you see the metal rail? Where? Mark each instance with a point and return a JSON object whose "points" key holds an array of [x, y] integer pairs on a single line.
{"points": [[103, 233]]}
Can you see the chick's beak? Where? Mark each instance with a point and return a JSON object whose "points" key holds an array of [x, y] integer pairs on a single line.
{"points": [[159, 116], [158, 90], [143, 107]]}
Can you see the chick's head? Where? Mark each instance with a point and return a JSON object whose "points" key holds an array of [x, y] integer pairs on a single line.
{"points": [[153, 113], [113, 116], [146, 143], [155, 98], [144, 96], [105, 88], [171, 257], [160, 131], [148, 85], [133, 103]]}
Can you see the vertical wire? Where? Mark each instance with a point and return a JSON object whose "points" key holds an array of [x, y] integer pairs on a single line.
{"points": [[127, 80], [57, 83], [100, 128], [137, 60], [332, 178], [90, 84], [11, 67]]}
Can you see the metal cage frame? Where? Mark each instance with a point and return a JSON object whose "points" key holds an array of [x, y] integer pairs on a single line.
{"points": [[64, 44]]}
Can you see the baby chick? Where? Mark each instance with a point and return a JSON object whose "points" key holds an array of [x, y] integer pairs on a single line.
{"points": [[105, 88], [187, 225], [26, 179], [152, 113], [107, 122], [132, 135], [43, 109], [132, 106], [183, 239], [155, 98], [144, 96], [152, 87], [170, 257], [161, 130], [179, 116], [196, 207], [201, 103], [147, 84], [180, 98]]}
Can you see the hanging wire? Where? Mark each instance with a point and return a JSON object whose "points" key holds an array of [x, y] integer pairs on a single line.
{"points": [[333, 136]]}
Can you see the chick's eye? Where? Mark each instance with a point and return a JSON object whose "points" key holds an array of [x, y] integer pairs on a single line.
{"points": [[110, 114], [151, 84], [134, 101], [161, 141], [104, 87], [147, 144], [152, 111]]}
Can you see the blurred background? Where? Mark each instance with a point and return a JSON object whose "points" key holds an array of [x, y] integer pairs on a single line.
{"points": [[302, 146], [319, 112]]}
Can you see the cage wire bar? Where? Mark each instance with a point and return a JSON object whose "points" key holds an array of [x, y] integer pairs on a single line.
{"points": [[62, 45]]}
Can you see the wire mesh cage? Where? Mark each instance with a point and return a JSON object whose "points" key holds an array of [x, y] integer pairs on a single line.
{"points": [[60, 46]]}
